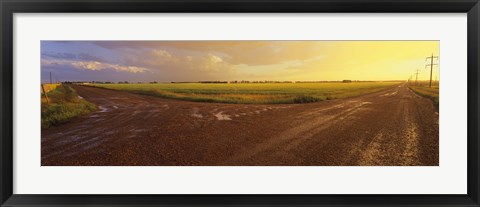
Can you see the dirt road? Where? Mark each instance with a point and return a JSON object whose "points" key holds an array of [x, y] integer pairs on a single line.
{"points": [[388, 128]]}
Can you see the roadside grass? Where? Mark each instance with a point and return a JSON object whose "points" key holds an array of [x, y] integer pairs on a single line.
{"points": [[253, 93], [50, 87], [426, 91], [64, 104]]}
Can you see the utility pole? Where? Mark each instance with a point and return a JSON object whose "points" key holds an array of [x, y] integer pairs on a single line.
{"points": [[431, 66], [45, 93], [50, 77], [416, 76]]}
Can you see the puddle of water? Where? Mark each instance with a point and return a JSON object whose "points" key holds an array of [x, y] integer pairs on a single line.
{"points": [[363, 103], [197, 115], [75, 138], [388, 94], [92, 145], [221, 116], [102, 109], [87, 141]]}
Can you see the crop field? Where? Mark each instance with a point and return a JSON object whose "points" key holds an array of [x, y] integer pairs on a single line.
{"points": [[253, 93]]}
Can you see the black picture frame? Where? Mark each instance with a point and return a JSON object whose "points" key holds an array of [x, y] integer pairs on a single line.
{"points": [[9, 7]]}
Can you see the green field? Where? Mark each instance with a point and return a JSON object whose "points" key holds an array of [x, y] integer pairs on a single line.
{"points": [[423, 88], [431, 93], [253, 93], [63, 105]]}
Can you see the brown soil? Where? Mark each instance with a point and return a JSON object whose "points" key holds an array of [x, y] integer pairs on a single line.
{"points": [[388, 128]]}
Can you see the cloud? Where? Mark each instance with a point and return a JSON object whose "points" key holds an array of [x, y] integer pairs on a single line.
{"points": [[93, 65], [234, 52], [163, 64], [162, 53], [68, 56], [215, 59], [184, 60], [162, 60], [208, 60], [70, 73], [71, 56]]}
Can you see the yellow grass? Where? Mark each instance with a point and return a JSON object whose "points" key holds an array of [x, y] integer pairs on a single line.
{"points": [[253, 93], [49, 87]]}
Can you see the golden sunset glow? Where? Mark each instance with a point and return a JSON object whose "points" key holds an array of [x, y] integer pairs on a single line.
{"points": [[356, 60], [238, 60]]}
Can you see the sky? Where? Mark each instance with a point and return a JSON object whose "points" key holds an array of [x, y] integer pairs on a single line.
{"points": [[167, 61]]}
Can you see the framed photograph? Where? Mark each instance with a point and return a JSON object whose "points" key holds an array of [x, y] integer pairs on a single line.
{"points": [[239, 103]]}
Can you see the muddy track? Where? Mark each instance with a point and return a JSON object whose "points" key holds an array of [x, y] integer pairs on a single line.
{"points": [[388, 128]]}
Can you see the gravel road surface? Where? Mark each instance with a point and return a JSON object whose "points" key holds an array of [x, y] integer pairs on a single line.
{"points": [[388, 128]]}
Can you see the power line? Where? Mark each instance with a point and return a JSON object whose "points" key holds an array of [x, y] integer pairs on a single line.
{"points": [[431, 66], [416, 76]]}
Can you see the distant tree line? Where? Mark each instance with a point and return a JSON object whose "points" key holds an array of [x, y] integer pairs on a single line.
{"points": [[214, 82]]}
